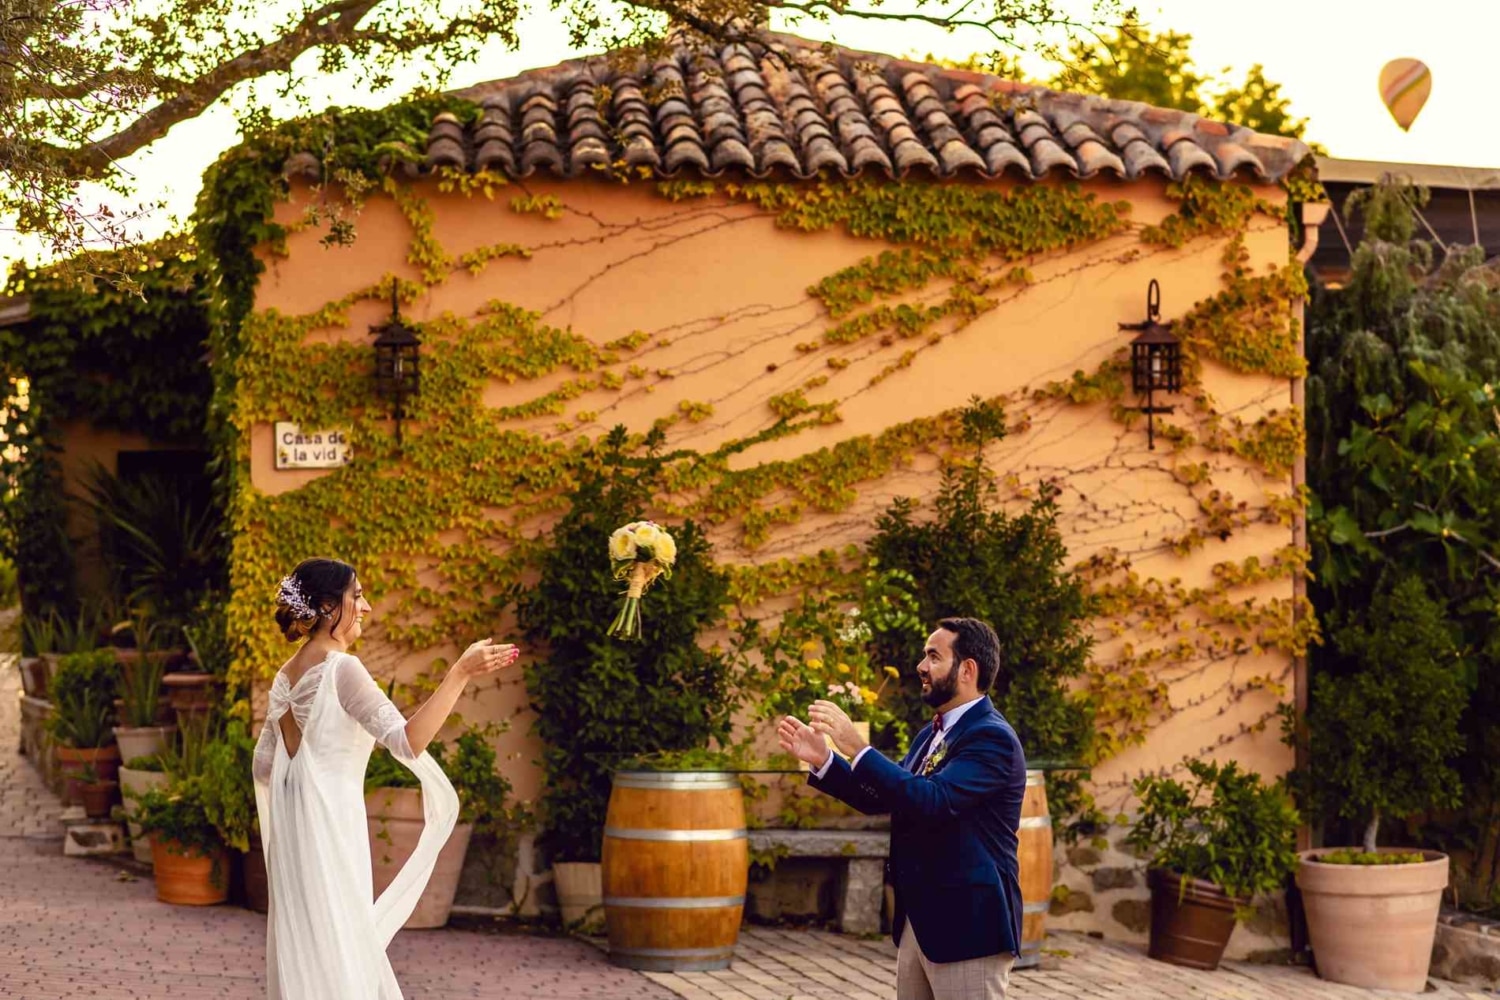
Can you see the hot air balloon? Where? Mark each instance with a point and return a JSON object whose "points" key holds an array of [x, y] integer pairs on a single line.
{"points": [[1404, 86]]}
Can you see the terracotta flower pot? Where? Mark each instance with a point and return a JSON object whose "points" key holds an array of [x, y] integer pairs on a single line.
{"points": [[1189, 927], [187, 876], [1373, 925], [97, 797], [73, 761], [190, 694], [34, 677], [395, 821]]}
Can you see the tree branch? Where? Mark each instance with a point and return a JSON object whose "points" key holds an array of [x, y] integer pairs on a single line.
{"points": [[331, 24]]}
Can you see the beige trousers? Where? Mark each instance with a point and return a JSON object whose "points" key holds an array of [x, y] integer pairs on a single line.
{"points": [[977, 979]]}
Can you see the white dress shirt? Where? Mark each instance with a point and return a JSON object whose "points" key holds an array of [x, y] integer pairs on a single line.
{"points": [[950, 719]]}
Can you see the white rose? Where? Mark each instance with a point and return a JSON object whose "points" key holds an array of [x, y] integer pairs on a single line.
{"points": [[648, 535], [621, 545], [666, 549]]}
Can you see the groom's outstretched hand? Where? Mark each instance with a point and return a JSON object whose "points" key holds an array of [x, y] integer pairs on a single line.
{"points": [[833, 722], [798, 739]]}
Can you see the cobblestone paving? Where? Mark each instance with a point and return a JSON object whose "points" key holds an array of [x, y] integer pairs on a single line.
{"points": [[812, 965], [84, 928], [75, 928]]}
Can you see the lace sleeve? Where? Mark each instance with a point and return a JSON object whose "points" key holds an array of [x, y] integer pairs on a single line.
{"points": [[265, 753], [363, 699]]}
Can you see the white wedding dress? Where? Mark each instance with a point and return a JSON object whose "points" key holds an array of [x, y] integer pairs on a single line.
{"points": [[326, 935]]}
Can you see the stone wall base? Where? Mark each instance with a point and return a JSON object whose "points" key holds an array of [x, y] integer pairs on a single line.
{"points": [[1467, 949]]}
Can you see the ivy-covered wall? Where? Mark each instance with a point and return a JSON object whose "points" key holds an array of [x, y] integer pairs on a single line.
{"points": [[807, 348]]}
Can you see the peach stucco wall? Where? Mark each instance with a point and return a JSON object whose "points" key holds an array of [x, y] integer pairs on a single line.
{"points": [[728, 290]]}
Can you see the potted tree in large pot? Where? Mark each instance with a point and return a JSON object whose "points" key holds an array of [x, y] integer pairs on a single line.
{"points": [[1214, 843], [1380, 734], [393, 807]]}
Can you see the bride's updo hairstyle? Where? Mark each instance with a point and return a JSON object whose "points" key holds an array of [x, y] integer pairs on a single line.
{"points": [[313, 593]]}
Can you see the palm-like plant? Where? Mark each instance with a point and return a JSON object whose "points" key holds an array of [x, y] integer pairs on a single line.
{"points": [[160, 538]]}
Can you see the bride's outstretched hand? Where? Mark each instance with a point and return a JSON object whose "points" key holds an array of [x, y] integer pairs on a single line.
{"points": [[798, 739], [485, 657]]}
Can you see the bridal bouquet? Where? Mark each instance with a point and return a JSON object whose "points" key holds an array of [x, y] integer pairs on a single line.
{"points": [[641, 551]]}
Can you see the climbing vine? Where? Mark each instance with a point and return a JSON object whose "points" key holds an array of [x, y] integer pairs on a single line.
{"points": [[440, 524]]}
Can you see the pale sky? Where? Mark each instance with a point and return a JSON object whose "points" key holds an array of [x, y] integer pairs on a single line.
{"points": [[1326, 53]]}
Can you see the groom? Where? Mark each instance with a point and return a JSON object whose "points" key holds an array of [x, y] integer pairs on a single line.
{"points": [[955, 805]]}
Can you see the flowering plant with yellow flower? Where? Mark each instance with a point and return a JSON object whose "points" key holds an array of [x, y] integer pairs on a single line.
{"points": [[641, 551], [821, 650]]}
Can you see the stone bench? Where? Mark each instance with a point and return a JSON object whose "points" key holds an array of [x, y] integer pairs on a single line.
{"points": [[861, 887]]}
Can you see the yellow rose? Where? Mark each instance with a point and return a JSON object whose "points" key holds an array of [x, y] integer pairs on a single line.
{"points": [[666, 549], [842, 668], [815, 664], [621, 545]]}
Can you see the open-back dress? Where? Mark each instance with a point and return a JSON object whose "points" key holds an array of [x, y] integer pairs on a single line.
{"points": [[326, 934]]}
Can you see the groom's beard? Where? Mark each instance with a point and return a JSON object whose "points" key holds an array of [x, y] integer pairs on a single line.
{"points": [[940, 692]]}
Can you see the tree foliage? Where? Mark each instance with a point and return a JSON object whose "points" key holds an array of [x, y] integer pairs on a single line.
{"points": [[1136, 64], [1382, 735], [974, 558], [86, 83], [599, 699], [1404, 465]]}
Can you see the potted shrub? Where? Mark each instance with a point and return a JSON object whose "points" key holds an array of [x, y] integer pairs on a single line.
{"points": [[393, 805], [819, 650], [137, 776], [38, 641], [189, 857], [142, 667], [96, 794], [194, 689], [1214, 843], [83, 693], [1380, 735], [229, 801]]}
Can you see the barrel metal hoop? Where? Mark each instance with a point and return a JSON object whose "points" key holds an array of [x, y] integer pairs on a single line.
{"points": [[678, 780], [676, 836], [1035, 822], [1041, 907], [674, 902]]}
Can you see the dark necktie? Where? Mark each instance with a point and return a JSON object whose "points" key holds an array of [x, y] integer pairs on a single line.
{"points": [[937, 731]]}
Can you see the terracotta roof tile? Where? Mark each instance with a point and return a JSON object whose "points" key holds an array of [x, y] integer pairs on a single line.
{"points": [[791, 107]]}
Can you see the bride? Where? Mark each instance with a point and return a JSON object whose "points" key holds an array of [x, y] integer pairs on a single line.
{"points": [[325, 939]]}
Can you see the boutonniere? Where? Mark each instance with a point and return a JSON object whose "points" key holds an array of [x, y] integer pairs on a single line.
{"points": [[935, 759]]}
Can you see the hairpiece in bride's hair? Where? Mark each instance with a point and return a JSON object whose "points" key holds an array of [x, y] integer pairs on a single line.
{"points": [[290, 594]]}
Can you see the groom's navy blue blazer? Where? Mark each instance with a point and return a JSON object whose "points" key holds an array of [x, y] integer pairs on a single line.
{"points": [[953, 834]]}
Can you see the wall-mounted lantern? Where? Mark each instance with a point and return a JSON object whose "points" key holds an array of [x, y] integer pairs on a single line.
{"points": [[1155, 360], [397, 361]]}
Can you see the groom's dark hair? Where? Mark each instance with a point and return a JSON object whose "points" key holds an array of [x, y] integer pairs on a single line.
{"points": [[975, 640]]}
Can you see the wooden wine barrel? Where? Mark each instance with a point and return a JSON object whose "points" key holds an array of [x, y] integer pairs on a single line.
{"points": [[675, 866], [1035, 855]]}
